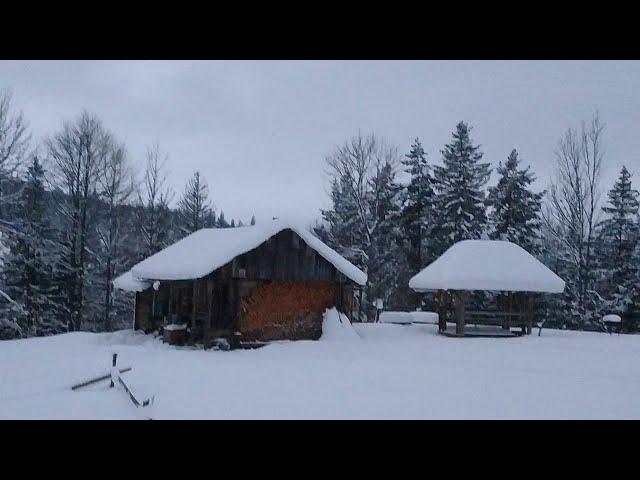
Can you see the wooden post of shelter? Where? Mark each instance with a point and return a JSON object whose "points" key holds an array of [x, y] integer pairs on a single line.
{"points": [[442, 299], [460, 298], [507, 322]]}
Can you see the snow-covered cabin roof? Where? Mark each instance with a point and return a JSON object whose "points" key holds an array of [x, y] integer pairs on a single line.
{"points": [[126, 281], [208, 249], [487, 265]]}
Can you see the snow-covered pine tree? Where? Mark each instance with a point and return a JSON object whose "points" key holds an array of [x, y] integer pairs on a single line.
{"points": [[253, 219], [460, 197], [415, 220], [221, 222], [384, 253], [617, 239], [194, 207], [233, 223], [515, 215], [417, 207], [29, 267]]}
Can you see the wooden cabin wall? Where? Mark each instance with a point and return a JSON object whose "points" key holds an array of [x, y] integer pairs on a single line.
{"points": [[284, 257]]}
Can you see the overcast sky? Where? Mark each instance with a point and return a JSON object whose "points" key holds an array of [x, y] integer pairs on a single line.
{"points": [[259, 131]]}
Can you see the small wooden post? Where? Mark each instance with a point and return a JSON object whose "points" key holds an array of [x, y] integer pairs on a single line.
{"points": [[113, 369]]}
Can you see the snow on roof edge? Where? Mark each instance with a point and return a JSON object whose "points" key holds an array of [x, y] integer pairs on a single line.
{"points": [[164, 266], [129, 283]]}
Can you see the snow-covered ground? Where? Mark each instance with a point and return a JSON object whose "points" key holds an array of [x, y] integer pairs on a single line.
{"points": [[383, 372]]}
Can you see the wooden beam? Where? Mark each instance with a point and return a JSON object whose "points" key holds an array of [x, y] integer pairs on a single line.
{"points": [[193, 306], [209, 313], [170, 310]]}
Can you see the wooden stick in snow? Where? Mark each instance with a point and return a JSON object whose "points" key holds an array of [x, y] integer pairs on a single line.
{"points": [[98, 379]]}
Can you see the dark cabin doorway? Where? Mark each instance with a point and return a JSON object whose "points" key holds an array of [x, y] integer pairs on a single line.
{"points": [[219, 298]]}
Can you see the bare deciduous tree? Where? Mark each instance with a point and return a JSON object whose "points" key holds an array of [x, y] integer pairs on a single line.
{"points": [[78, 154], [571, 214], [116, 186], [357, 161], [14, 141], [154, 196]]}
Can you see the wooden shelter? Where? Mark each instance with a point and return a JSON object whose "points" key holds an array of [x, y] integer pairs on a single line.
{"points": [[258, 283], [486, 265]]}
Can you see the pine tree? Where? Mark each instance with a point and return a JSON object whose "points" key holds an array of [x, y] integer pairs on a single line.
{"points": [[459, 186], [30, 265], [516, 209], [417, 207], [233, 223], [222, 223], [253, 220], [194, 207], [384, 251], [617, 239]]}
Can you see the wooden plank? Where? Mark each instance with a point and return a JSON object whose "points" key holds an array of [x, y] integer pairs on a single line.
{"points": [[97, 379], [194, 305]]}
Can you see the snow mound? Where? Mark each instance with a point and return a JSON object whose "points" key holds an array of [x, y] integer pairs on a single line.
{"points": [[124, 337], [612, 318], [337, 327]]}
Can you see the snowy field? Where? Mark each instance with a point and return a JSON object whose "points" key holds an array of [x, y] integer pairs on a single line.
{"points": [[383, 372]]}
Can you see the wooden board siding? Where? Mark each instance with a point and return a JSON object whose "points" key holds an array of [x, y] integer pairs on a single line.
{"points": [[286, 310]]}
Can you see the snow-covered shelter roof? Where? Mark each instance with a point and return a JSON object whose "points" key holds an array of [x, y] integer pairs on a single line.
{"points": [[208, 249], [487, 265]]}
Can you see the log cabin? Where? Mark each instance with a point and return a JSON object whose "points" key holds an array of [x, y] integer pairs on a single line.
{"points": [[249, 284]]}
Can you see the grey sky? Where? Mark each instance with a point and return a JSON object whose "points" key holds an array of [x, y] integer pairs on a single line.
{"points": [[259, 131]]}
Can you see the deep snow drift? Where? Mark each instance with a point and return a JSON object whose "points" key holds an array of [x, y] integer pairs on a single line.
{"points": [[376, 371]]}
